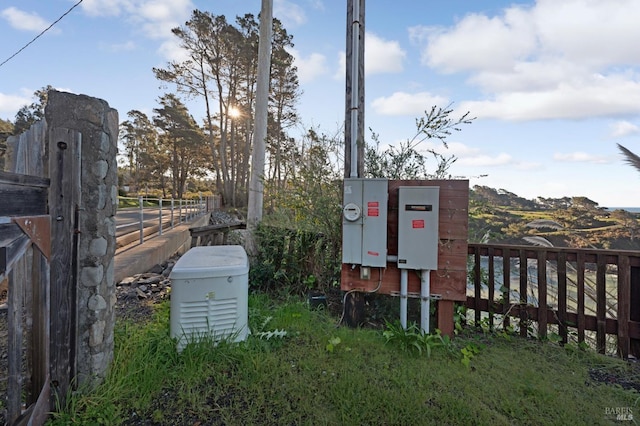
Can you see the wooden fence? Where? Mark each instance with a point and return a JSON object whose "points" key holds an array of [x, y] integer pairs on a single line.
{"points": [[574, 292], [25, 253]]}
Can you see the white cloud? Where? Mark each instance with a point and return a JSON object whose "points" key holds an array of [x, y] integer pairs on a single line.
{"points": [[528, 166], [579, 157], [171, 50], [458, 149], [310, 67], [570, 59], [10, 104], [155, 18], [26, 21], [382, 56], [501, 159], [480, 42], [623, 128], [402, 103], [597, 96], [290, 14], [106, 7], [126, 46]]}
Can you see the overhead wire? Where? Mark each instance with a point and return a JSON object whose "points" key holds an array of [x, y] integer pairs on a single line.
{"points": [[41, 33]]}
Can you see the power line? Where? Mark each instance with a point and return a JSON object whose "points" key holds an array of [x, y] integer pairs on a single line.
{"points": [[43, 31]]}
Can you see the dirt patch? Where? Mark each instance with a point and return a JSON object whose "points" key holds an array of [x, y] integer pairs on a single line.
{"points": [[627, 376]]}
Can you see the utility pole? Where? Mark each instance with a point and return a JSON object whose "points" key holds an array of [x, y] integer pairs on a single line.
{"points": [[354, 125], [256, 185], [354, 60]]}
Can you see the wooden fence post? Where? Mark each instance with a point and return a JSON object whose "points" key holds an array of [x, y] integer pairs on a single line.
{"points": [[635, 308], [64, 197]]}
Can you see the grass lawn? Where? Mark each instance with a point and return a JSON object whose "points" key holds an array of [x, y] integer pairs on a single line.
{"points": [[322, 374]]}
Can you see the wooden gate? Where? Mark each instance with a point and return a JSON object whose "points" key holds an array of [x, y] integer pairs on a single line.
{"points": [[37, 261], [25, 246]]}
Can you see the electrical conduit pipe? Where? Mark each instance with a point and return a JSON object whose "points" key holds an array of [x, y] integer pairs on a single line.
{"points": [[425, 306], [404, 295]]}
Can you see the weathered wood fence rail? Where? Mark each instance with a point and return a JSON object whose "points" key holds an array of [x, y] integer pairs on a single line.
{"points": [[575, 291]]}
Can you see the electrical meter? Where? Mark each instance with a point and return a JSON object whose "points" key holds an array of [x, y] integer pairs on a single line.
{"points": [[351, 212]]}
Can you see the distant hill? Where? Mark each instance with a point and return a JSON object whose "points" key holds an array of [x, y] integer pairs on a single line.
{"points": [[499, 197], [500, 216]]}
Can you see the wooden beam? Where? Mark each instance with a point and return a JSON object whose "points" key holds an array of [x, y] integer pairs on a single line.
{"points": [[19, 179], [601, 304], [624, 306], [542, 294], [64, 199]]}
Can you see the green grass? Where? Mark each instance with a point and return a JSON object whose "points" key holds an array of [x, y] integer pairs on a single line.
{"points": [[323, 374]]}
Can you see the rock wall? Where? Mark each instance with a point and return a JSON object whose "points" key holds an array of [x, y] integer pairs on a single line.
{"points": [[95, 292]]}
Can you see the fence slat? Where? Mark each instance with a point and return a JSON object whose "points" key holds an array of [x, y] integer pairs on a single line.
{"points": [[506, 278], [542, 294], [17, 281], [562, 296], [523, 293], [580, 288], [41, 317], [601, 304], [624, 306], [477, 285], [491, 285]]}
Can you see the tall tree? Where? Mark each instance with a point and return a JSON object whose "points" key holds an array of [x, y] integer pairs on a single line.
{"points": [[145, 158], [285, 93], [182, 139], [29, 114], [6, 130], [222, 70], [193, 77]]}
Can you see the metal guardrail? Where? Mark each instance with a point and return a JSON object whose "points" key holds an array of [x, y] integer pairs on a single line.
{"points": [[179, 211]]}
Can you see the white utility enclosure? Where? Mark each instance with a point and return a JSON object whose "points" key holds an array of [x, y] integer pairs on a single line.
{"points": [[418, 227], [364, 230], [209, 292]]}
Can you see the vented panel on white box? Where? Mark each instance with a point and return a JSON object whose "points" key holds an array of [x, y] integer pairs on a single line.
{"points": [[209, 293]]}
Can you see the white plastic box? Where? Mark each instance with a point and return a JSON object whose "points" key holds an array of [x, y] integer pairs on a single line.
{"points": [[209, 291]]}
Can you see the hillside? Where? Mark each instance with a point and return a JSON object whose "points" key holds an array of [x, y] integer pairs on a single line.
{"points": [[499, 216]]}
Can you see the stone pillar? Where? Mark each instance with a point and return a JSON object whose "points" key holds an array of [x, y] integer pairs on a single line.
{"points": [[95, 292]]}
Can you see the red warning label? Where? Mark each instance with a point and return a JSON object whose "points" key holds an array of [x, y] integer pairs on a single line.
{"points": [[373, 253], [418, 223], [373, 204], [371, 211]]}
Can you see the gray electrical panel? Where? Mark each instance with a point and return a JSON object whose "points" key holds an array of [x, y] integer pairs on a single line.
{"points": [[364, 222], [418, 227]]}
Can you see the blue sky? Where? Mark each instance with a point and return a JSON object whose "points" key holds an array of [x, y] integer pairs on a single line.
{"points": [[554, 84]]}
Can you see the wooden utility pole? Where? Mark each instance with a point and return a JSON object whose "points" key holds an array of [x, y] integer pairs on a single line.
{"points": [[348, 89], [256, 186], [354, 302]]}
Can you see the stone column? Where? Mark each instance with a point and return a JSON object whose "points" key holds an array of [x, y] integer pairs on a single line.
{"points": [[95, 292]]}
